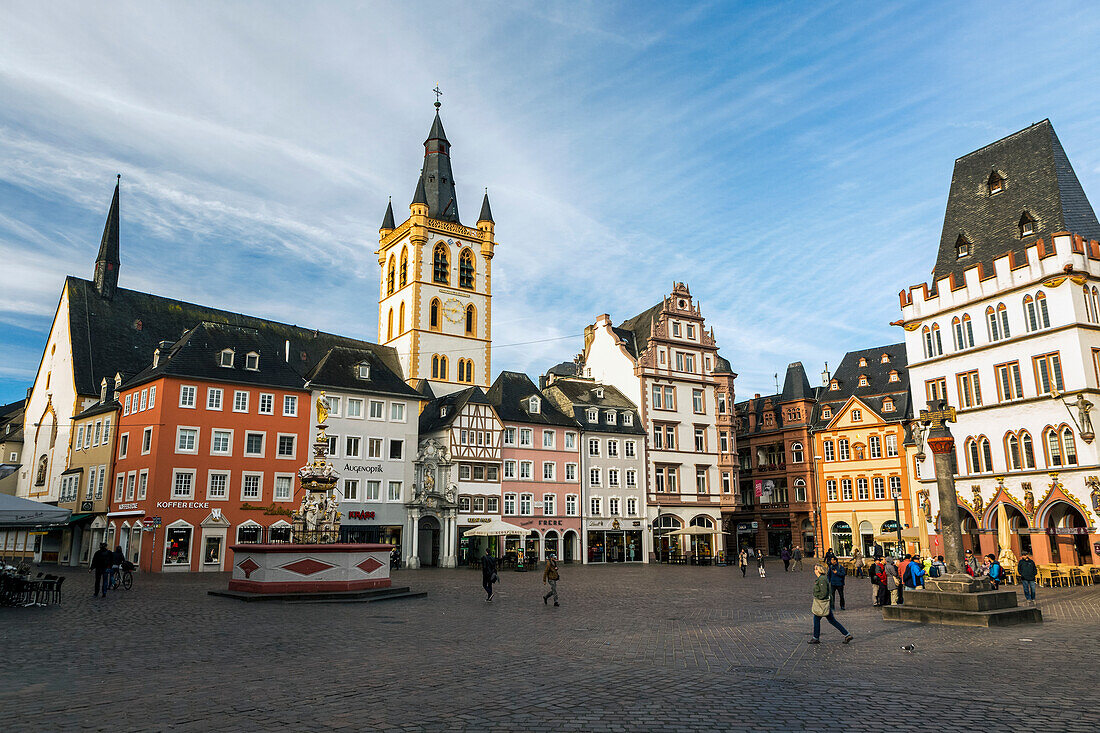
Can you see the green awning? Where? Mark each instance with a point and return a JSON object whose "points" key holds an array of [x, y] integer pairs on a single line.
{"points": [[79, 518]]}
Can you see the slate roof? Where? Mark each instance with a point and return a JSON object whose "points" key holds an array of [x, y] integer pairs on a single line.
{"points": [[795, 384], [722, 365], [436, 179], [387, 220], [99, 408], [878, 386], [1038, 178], [486, 212], [339, 369], [635, 331], [108, 244], [576, 395], [120, 334], [196, 356], [430, 420], [564, 369], [509, 396]]}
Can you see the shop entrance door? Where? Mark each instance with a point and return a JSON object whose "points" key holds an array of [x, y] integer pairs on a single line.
{"points": [[615, 546], [428, 542], [777, 540]]}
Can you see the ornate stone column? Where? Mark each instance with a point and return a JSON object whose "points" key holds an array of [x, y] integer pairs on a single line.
{"points": [[413, 561]]}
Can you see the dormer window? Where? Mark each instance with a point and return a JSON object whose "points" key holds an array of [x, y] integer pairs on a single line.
{"points": [[593, 415], [533, 405], [599, 393], [834, 384], [885, 359], [610, 417], [252, 361], [362, 370], [996, 183], [887, 405], [628, 418], [225, 359], [826, 411], [962, 247], [1027, 225], [863, 361], [863, 380], [894, 377], [443, 411]]}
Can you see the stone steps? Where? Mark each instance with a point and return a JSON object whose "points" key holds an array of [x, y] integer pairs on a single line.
{"points": [[960, 617], [373, 595]]}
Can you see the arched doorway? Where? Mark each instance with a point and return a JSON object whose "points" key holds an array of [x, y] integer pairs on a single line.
{"points": [[551, 543], [1020, 541], [809, 537], [969, 526], [664, 545], [569, 546], [703, 545], [531, 546], [428, 541], [1068, 531], [867, 538], [841, 534], [890, 529]]}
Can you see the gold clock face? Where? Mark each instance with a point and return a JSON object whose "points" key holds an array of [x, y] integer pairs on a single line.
{"points": [[452, 309]]}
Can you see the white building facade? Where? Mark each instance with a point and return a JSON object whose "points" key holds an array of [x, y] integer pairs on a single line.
{"points": [[1010, 337]]}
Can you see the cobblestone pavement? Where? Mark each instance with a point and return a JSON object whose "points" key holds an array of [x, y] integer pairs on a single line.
{"points": [[630, 648]]}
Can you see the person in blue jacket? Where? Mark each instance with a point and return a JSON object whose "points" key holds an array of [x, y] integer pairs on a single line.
{"points": [[836, 573], [914, 574]]}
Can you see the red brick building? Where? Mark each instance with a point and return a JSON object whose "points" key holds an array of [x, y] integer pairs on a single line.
{"points": [[210, 439], [776, 501]]}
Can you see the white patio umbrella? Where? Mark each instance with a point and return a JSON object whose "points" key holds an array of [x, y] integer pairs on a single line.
{"points": [[496, 528], [692, 530]]}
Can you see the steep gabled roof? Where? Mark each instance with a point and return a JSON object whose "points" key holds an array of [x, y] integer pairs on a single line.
{"points": [[510, 394], [120, 334], [197, 356], [795, 385], [635, 331], [1038, 179], [878, 386], [430, 418], [576, 395], [339, 369]]}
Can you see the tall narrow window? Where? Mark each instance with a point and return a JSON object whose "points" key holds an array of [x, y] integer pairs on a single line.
{"points": [[987, 455], [936, 343], [442, 367], [1044, 315], [466, 269], [433, 315], [927, 334], [441, 265], [404, 266], [389, 325], [390, 273], [471, 320], [974, 455], [1012, 451], [1028, 449], [435, 366], [1069, 449], [401, 319], [1054, 448]]}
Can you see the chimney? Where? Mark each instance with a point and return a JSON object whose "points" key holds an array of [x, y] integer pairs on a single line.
{"points": [[825, 376]]}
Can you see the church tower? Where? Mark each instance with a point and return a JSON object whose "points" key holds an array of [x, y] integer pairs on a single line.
{"points": [[434, 301]]}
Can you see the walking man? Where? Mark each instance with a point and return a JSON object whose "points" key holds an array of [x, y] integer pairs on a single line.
{"points": [[101, 564], [1026, 571], [797, 558], [488, 573], [550, 575], [822, 608], [835, 574], [785, 555]]}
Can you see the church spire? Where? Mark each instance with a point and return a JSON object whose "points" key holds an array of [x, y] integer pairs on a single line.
{"points": [[486, 212], [106, 263], [438, 181], [387, 220]]}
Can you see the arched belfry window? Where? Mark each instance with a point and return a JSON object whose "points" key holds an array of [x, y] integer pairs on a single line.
{"points": [[390, 273], [433, 315], [471, 320], [466, 269], [962, 247], [1027, 224], [404, 267], [441, 265]]}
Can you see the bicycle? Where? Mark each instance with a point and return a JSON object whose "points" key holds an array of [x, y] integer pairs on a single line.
{"points": [[123, 576]]}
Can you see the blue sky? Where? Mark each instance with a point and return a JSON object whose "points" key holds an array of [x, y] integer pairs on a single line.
{"points": [[789, 161]]}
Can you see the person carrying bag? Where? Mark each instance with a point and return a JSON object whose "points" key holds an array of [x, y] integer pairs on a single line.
{"points": [[822, 608]]}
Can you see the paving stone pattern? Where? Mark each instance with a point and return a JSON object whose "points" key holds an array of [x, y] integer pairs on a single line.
{"points": [[631, 648]]}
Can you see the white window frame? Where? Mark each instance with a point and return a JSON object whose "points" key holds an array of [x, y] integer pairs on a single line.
{"points": [[292, 457], [259, 476], [198, 435], [182, 472], [571, 472], [123, 444], [215, 398], [237, 395], [269, 398], [526, 438], [358, 453], [147, 437], [228, 451], [549, 475], [210, 485], [358, 401], [290, 405], [263, 444], [275, 484], [571, 503], [510, 470], [548, 439], [396, 407], [381, 410], [143, 484]]}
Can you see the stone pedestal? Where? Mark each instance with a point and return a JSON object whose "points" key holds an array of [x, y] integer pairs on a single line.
{"points": [[289, 568], [959, 600]]}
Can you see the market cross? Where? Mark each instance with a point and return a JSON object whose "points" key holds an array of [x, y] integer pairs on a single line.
{"points": [[940, 414]]}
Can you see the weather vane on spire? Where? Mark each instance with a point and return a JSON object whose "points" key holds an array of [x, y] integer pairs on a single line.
{"points": [[438, 94]]}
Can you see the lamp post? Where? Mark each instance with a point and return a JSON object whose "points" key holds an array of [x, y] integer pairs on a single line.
{"points": [[819, 541], [897, 520]]}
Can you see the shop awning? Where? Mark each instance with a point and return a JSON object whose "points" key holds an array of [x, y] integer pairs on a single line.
{"points": [[693, 530], [496, 528], [16, 512], [79, 518], [128, 513]]}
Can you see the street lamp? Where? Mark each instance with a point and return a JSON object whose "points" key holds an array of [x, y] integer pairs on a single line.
{"points": [[819, 540], [897, 518]]}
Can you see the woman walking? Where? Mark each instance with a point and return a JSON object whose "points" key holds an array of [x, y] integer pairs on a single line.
{"points": [[822, 608], [743, 561]]}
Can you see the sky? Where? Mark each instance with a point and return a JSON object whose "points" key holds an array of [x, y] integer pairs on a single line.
{"points": [[789, 161]]}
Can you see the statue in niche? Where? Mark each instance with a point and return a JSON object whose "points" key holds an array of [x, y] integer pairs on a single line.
{"points": [[1084, 407], [40, 476], [925, 504], [979, 504], [1029, 503], [429, 480]]}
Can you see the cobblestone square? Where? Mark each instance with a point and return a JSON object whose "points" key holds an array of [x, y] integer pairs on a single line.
{"points": [[630, 648]]}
